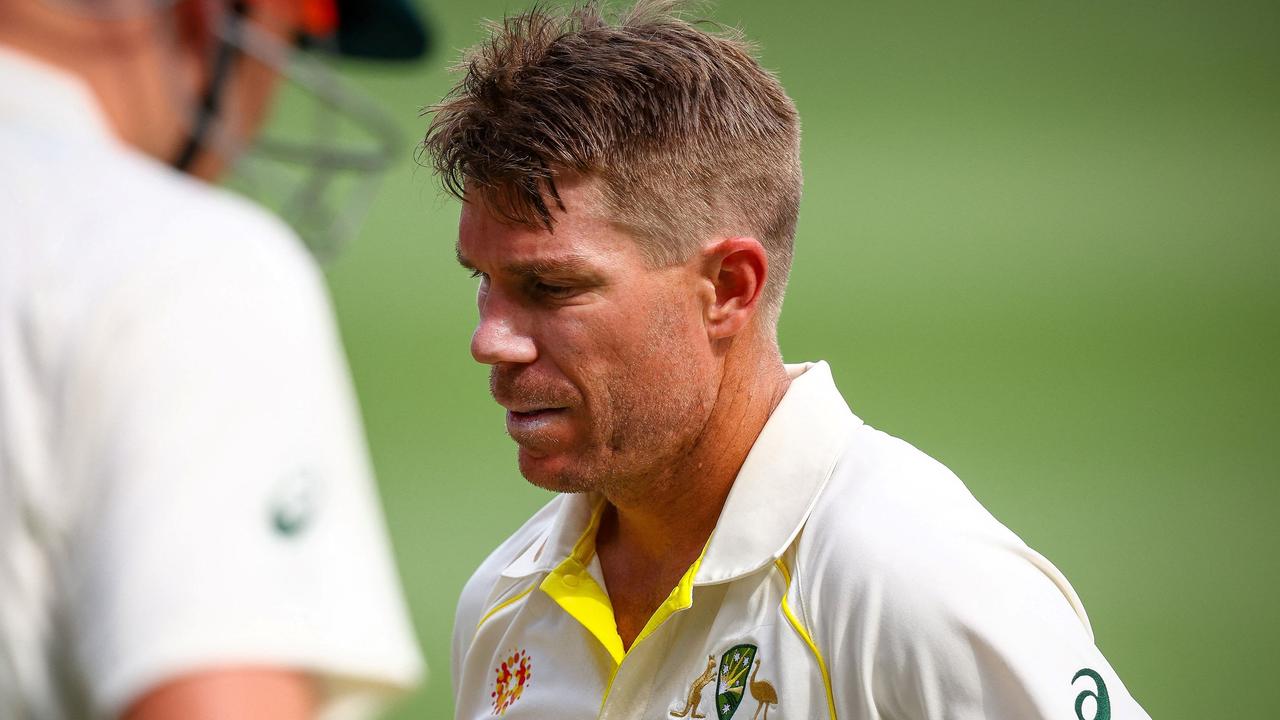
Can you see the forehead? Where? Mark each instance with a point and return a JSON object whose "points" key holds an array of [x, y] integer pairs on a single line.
{"points": [[580, 233]]}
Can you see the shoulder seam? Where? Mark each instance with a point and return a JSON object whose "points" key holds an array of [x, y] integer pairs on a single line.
{"points": [[504, 604], [488, 615]]}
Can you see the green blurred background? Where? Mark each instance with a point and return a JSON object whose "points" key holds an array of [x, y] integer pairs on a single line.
{"points": [[1040, 241]]}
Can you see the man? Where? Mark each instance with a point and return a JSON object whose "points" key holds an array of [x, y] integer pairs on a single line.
{"points": [[187, 517], [731, 540]]}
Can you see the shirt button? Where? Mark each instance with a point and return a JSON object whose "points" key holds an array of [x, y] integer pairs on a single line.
{"points": [[569, 580]]}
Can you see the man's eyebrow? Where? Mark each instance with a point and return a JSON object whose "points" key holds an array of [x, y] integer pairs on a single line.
{"points": [[572, 264], [569, 264]]}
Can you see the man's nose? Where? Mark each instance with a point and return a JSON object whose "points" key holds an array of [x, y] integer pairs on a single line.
{"points": [[498, 337]]}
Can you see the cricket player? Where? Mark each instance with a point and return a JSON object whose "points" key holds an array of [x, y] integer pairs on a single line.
{"points": [[730, 540], [188, 524]]}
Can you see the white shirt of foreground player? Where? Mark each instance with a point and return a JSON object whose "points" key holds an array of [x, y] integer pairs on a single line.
{"points": [[183, 481], [849, 576]]}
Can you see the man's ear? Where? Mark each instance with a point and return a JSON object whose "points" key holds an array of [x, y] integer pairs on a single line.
{"points": [[737, 268]]}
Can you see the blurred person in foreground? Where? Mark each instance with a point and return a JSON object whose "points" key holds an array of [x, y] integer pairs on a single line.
{"points": [[730, 540], [188, 523]]}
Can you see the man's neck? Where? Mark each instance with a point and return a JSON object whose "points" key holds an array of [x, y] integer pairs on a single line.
{"points": [[646, 544]]}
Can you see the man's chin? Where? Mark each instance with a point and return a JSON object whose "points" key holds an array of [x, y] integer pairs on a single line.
{"points": [[551, 471]]}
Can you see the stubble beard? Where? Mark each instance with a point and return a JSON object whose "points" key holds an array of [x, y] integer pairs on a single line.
{"points": [[642, 446], [640, 423], [639, 439]]}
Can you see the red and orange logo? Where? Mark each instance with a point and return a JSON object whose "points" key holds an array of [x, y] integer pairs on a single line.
{"points": [[512, 677]]}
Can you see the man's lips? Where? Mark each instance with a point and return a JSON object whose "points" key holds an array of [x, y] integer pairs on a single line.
{"points": [[526, 407], [533, 413], [524, 424]]}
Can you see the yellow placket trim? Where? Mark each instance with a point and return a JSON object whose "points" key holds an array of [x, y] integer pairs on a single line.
{"points": [[571, 586], [574, 590], [681, 598], [804, 635]]}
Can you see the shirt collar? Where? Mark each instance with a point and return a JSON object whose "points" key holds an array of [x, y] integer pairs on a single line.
{"points": [[47, 98], [571, 515], [771, 498], [780, 480]]}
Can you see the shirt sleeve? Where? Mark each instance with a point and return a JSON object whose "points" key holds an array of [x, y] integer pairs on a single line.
{"points": [[1003, 640], [979, 628], [227, 512], [466, 618]]}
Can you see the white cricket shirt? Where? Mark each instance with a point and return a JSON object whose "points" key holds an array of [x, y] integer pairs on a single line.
{"points": [[849, 576], [183, 481]]}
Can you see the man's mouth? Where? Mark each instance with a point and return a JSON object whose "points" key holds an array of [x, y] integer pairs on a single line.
{"points": [[524, 425], [533, 413]]}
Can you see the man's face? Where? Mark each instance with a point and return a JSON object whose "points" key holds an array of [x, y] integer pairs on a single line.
{"points": [[602, 362]]}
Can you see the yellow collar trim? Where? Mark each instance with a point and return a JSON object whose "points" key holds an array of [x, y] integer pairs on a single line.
{"points": [[571, 586]]}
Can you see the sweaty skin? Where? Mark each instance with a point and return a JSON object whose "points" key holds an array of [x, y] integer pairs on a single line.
{"points": [[646, 384]]}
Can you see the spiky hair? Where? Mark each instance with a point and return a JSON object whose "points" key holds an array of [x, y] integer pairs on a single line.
{"points": [[688, 135]]}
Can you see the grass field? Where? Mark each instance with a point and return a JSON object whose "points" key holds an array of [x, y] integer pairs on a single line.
{"points": [[1040, 241]]}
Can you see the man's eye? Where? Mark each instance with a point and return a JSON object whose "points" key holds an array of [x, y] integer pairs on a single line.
{"points": [[553, 292], [476, 274]]}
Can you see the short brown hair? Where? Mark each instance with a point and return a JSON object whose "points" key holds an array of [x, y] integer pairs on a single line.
{"points": [[688, 134]]}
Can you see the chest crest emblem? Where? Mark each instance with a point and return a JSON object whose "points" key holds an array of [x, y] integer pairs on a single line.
{"points": [[511, 677], [732, 682], [692, 702]]}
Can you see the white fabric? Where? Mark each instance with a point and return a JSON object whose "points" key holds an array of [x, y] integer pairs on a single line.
{"points": [[183, 481], [920, 604]]}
